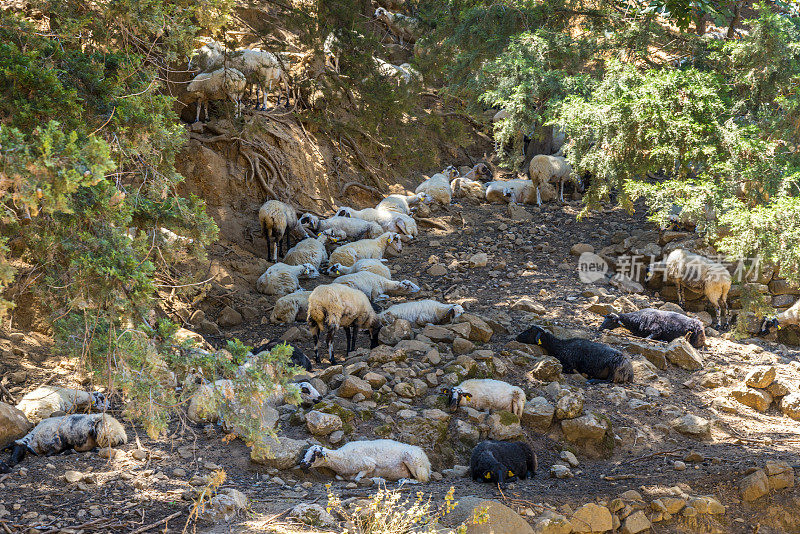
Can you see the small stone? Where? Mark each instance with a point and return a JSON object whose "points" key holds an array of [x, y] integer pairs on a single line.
{"points": [[322, 424], [580, 248], [681, 353], [678, 465], [481, 259], [229, 317], [591, 518], [790, 406], [560, 471], [463, 346], [569, 406], [586, 427], [526, 304], [692, 425], [437, 269], [760, 377], [546, 369], [179, 472], [73, 477], [635, 523], [352, 385], [570, 458], [139, 454]]}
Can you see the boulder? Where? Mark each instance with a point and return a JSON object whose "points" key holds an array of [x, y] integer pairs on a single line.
{"points": [[322, 424], [438, 333], [586, 427], [758, 399], [466, 433], [313, 515], [13, 424], [225, 505], [760, 377], [780, 475], [480, 331], [352, 385], [504, 426], [374, 379], [569, 406], [485, 516], [635, 523], [392, 334], [681, 353], [754, 486], [591, 518], [229, 317], [538, 414], [790, 406], [462, 346], [280, 453], [546, 369], [692, 425]]}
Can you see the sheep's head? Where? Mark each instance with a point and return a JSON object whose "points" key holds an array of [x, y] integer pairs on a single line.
{"points": [[404, 232], [314, 457], [99, 402], [309, 271], [425, 198], [407, 287], [532, 336], [334, 269], [333, 234], [109, 432], [454, 396], [451, 172], [458, 310], [381, 12], [309, 393], [509, 194], [610, 322], [394, 244], [481, 169], [497, 473], [344, 212], [310, 220], [769, 324]]}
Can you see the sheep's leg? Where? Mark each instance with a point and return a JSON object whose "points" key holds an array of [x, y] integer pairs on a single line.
{"points": [[329, 335], [355, 336], [206, 103], [347, 336], [724, 306], [197, 115], [315, 331], [17, 455], [681, 301], [538, 196], [269, 246], [562, 192]]}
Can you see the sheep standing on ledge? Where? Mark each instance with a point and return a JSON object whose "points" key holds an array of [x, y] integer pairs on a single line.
{"points": [[217, 85], [597, 360], [659, 325], [502, 461], [385, 458], [278, 221], [82, 432]]}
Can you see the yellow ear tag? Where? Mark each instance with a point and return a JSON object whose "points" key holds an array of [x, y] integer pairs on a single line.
{"points": [[779, 327], [510, 474], [539, 341], [487, 476]]}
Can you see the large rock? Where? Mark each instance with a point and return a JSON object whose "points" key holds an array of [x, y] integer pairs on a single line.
{"points": [[592, 518], [552, 523], [480, 330], [466, 433], [586, 427], [484, 516], [780, 475], [635, 523], [754, 486], [225, 505], [282, 453], [790, 406], [313, 515], [13, 424], [681, 353], [504, 426], [569, 406], [758, 399], [546, 369], [760, 377], [438, 333], [352, 385], [538, 414], [229, 317], [655, 354], [322, 424], [394, 333], [692, 425]]}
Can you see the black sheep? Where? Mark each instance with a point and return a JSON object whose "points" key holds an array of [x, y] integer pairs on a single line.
{"points": [[597, 360], [298, 356], [659, 325], [502, 461]]}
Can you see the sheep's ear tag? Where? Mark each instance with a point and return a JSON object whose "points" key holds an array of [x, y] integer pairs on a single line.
{"points": [[319, 234], [487, 476], [779, 327], [539, 341], [510, 474], [468, 396]]}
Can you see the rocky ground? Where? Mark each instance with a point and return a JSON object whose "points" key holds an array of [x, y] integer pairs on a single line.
{"points": [[701, 441]]}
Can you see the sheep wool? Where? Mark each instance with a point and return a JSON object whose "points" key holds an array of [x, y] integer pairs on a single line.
{"points": [[335, 306], [659, 325], [45, 400], [437, 187], [347, 255], [499, 462], [384, 458], [374, 285], [82, 432], [402, 203], [288, 307], [390, 221], [421, 312], [371, 265], [282, 279], [596, 360], [217, 85], [517, 190], [278, 221], [543, 168], [352, 228], [311, 250], [487, 394], [402, 26]]}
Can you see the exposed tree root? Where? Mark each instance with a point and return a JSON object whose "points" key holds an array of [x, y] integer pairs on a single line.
{"points": [[365, 187]]}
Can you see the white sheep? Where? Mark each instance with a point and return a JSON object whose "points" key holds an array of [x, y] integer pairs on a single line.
{"points": [[405, 27], [401, 73], [335, 306], [438, 186], [282, 279], [217, 85], [45, 400], [487, 394], [311, 250], [372, 265], [789, 317], [390, 221], [384, 458], [288, 307], [328, 48], [468, 186], [278, 221], [387, 243], [687, 269], [517, 190], [376, 286], [82, 432], [352, 227], [206, 403], [544, 168], [210, 56], [403, 203], [421, 312]]}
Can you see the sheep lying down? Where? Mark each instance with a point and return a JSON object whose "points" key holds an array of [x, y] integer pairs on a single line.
{"points": [[81, 432], [44, 401], [384, 458], [502, 461]]}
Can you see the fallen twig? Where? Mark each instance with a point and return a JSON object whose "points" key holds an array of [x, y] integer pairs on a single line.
{"points": [[157, 523], [671, 451]]}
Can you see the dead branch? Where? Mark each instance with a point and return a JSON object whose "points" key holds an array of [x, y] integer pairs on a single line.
{"points": [[365, 187]]}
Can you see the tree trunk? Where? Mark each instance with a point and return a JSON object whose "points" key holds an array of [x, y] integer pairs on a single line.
{"points": [[541, 145], [737, 16], [700, 23]]}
